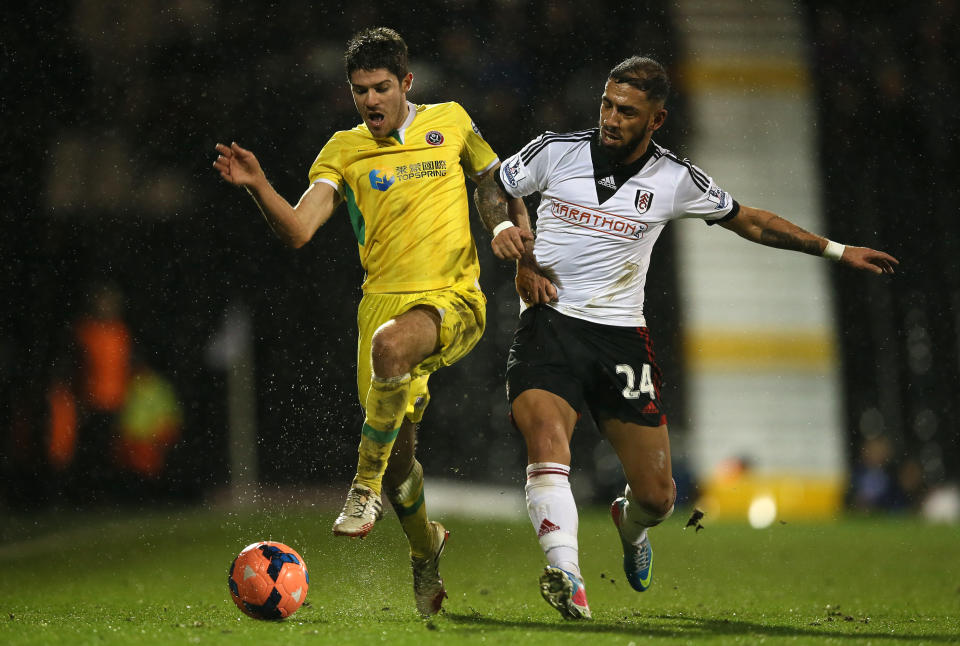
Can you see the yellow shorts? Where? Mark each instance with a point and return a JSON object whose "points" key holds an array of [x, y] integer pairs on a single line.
{"points": [[463, 318]]}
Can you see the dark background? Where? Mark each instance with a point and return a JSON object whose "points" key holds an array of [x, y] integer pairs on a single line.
{"points": [[110, 115]]}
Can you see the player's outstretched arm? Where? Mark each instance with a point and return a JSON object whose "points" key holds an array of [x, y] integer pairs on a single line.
{"points": [[770, 229], [499, 213], [295, 225]]}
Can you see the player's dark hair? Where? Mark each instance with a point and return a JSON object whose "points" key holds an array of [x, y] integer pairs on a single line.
{"points": [[372, 49], [645, 74]]}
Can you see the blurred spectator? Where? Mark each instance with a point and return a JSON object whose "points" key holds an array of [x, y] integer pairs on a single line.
{"points": [[875, 481], [149, 424], [62, 420], [104, 346]]}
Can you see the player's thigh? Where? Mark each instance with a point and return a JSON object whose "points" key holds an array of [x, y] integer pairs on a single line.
{"points": [[543, 389], [463, 319], [374, 311], [405, 340], [462, 312]]}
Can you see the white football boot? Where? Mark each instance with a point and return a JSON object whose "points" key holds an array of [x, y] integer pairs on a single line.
{"points": [[362, 509]]}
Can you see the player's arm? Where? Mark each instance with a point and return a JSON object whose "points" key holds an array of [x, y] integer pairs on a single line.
{"points": [[499, 214], [770, 229], [295, 225], [534, 283]]}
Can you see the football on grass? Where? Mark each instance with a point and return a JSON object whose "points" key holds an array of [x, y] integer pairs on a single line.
{"points": [[268, 580]]}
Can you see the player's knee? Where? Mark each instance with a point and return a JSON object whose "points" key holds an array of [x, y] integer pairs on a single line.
{"points": [[387, 354], [657, 499]]}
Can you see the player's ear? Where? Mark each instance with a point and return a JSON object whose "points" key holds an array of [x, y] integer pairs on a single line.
{"points": [[659, 117], [406, 83]]}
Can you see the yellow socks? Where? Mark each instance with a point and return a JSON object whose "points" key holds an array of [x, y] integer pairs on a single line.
{"points": [[407, 501], [385, 407]]}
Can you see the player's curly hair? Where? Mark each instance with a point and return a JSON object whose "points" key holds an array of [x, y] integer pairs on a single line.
{"points": [[379, 47], [645, 74]]}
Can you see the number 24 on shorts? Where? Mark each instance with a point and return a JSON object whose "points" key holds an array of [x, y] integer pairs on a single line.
{"points": [[646, 382]]}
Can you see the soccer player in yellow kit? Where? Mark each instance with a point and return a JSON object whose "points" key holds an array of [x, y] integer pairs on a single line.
{"points": [[401, 174]]}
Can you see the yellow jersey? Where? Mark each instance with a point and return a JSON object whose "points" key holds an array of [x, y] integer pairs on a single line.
{"points": [[406, 197]]}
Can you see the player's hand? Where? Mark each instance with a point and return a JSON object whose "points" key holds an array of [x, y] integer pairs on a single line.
{"points": [[237, 165], [534, 287], [508, 245], [876, 262]]}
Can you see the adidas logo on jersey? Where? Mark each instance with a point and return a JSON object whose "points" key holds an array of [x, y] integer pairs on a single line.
{"points": [[608, 182], [546, 527]]}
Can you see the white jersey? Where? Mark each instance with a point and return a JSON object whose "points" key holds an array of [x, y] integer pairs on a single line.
{"points": [[597, 222]]}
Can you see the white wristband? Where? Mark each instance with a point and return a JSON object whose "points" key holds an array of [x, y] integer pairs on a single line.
{"points": [[506, 224], [833, 250]]}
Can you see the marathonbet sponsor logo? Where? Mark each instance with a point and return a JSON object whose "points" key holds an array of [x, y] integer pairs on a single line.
{"points": [[599, 221]]}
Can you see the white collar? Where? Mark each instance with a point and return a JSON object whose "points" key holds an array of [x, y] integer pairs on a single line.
{"points": [[411, 113]]}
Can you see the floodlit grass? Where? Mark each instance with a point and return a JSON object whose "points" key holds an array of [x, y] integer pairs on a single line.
{"points": [[160, 578]]}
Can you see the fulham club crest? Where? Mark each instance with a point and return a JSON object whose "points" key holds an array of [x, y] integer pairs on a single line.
{"points": [[644, 200]]}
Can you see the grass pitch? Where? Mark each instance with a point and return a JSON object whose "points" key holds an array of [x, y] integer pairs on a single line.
{"points": [[160, 578]]}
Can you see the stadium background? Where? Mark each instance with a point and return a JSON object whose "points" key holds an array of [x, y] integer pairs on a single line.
{"points": [[110, 116]]}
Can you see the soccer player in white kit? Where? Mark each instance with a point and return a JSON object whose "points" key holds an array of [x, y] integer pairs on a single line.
{"points": [[606, 194]]}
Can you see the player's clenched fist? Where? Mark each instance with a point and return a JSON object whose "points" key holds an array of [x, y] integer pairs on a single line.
{"points": [[534, 285], [508, 244]]}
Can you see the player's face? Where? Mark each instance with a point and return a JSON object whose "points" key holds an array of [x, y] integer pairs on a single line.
{"points": [[381, 99], [627, 121]]}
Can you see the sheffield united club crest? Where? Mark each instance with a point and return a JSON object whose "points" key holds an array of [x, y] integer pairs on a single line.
{"points": [[644, 200]]}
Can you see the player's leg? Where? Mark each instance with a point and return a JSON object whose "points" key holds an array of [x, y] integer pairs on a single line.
{"points": [[395, 348], [625, 400], [545, 397], [403, 486], [546, 422], [644, 452], [461, 325]]}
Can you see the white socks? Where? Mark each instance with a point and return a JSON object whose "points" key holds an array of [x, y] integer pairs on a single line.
{"points": [[634, 519], [553, 513]]}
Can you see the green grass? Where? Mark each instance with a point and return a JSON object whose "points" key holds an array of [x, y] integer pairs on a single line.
{"points": [[160, 578]]}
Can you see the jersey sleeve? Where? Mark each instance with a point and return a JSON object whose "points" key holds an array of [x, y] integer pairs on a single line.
{"points": [[698, 196], [327, 166], [477, 157], [526, 172]]}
